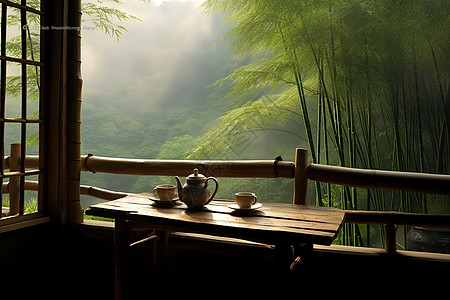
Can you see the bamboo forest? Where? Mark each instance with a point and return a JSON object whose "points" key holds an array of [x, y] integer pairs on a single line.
{"points": [[367, 83]]}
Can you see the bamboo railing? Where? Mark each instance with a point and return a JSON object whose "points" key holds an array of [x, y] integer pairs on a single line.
{"points": [[299, 170], [378, 179], [218, 168]]}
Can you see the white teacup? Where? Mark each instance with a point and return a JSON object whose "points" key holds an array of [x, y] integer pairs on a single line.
{"points": [[165, 192], [245, 200]]}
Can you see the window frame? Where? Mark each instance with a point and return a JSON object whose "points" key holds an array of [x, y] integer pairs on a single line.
{"points": [[26, 165]]}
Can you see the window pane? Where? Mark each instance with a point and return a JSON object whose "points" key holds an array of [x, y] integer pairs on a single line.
{"points": [[31, 194], [5, 200], [13, 103], [12, 136], [13, 38], [36, 4], [33, 34], [32, 139], [33, 86]]}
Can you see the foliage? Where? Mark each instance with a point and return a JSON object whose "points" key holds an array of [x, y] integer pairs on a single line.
{"points": [[368, 78], [177, 147], [107, 18], [89, 217], [31, 205], [268, 113]]}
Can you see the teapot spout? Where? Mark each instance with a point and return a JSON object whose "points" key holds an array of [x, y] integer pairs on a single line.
{"points": [[180, 187]]}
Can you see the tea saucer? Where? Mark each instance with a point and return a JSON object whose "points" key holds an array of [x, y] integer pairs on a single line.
{"points": [[159, 202], [250, 209]]}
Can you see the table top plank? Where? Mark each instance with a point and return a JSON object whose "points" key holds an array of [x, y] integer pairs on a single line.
{"points": [[230, 219], [316, 224], [283, 216], [277, 210]]}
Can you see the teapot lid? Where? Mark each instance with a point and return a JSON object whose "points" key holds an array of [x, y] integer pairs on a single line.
{"points": [[196, 176]]}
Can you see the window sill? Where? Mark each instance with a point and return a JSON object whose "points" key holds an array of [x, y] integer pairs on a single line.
{"points": [[20, 222]]}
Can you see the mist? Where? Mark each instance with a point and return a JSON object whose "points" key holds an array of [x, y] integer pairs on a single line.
{"points": [[167, 60]]}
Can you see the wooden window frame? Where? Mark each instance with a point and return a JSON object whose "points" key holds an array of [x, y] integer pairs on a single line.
{"points": [[18, 170], [59, 121]]}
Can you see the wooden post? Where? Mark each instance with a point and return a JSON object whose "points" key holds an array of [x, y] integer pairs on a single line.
{"points": [[14, 191], [301, 179], [391, 242], [52, 108]]}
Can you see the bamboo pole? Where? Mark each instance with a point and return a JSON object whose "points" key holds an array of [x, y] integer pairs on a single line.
{"points": [[30, 185], [74, 83], [31, 161], [378, 179], [101, 193], [365, 178], [301, 181], [14, 189], [400, 218], [5, 187], [224, 168]]}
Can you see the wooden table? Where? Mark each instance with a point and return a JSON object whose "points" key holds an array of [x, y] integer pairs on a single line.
{"points": [[282, 225]]}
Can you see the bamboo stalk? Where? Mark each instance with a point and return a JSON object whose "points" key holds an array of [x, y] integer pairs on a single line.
{"points": [[327, 156]]}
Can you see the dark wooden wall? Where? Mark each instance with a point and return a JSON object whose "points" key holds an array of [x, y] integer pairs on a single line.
{"points": [[38, 261]]}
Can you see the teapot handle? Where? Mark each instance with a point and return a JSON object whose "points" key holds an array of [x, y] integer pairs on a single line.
{"points": [[215, 191]]}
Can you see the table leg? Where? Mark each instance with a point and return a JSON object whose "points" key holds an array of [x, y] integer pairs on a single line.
{"points": [[284, 256], [161, 254], [121, 250], [301, 251], [289, 257]]}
